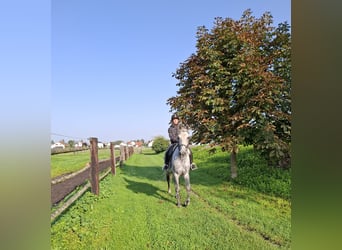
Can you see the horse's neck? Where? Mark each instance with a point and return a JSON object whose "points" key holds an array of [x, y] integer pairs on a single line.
{"points": [[177, 153]]}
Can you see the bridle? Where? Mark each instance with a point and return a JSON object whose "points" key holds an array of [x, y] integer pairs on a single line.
{"points": [[182, 145]]}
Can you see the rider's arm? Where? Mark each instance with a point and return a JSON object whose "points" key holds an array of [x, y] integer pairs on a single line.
{"points": [[173, 134]]}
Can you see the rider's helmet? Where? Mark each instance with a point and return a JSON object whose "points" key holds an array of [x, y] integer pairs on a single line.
{"points": [[174, 116]]}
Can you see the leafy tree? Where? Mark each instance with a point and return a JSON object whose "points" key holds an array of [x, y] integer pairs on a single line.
{"points": [[118, 142], [160, 144], [236, 88], [71, 143]]}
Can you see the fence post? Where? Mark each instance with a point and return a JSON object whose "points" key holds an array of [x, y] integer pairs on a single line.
{"points": [[112, 158], [126, 152], [122, 155], [129, 151], [94, 170]]}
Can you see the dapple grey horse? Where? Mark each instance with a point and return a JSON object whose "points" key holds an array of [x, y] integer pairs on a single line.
{"points": [[180, 166]]}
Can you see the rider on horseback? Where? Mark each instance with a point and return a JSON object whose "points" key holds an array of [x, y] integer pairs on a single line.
{"points": [[173, 134]]}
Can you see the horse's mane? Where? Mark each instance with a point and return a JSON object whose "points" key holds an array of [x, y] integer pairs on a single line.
{"points": [[183, 128]]}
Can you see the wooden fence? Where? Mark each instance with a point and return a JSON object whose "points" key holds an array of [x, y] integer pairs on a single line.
{"points": [[64, 185]]}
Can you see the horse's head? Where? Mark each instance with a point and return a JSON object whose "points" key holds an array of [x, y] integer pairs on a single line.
{"points": [[183, 140]]}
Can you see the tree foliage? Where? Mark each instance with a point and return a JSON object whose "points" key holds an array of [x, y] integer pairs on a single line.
{"points": [[236, 88], [160, 144], [118, 142], [71, 143]]}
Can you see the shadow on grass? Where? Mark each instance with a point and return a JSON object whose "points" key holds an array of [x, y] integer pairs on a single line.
{"points": [[147, 188], [149, 153], [206, 175]]}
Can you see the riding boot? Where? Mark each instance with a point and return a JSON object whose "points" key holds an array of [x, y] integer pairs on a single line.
{"points": [[166, 165]]}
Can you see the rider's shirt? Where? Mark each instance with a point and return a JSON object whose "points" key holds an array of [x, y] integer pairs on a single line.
{"points": [[173, 133]]}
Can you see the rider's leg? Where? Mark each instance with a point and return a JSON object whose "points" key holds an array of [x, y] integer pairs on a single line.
{"points": [[167, 157]]}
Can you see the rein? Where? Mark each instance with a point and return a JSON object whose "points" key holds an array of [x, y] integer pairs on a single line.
{"points": [[180, 145]]}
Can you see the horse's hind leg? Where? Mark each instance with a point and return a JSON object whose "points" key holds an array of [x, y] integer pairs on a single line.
{"points": [[188, 189], [168, 178]]}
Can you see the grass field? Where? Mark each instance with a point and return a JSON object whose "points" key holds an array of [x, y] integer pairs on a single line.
{"points": [[134, 210], [74, 161]]}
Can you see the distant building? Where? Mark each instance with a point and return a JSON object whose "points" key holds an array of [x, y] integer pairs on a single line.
{"points": [[58, 145], [150, 144]]}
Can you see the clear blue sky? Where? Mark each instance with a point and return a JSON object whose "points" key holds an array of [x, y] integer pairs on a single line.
{"points": [[112, 61]]}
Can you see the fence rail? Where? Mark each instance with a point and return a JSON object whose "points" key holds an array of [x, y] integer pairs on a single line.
{"points": [[62, 186]]}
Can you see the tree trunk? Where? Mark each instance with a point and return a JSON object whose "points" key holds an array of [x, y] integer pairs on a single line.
{"points": [[233, 163]]}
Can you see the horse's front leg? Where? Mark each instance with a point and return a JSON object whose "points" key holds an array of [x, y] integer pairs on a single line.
{"points": [[188, 188], [177, 189]]}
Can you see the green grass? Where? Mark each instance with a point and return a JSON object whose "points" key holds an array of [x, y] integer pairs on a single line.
{"points": [[253, 171], [134, 211], [74, 161]]}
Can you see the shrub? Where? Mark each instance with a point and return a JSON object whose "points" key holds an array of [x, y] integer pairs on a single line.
{"points": [[160, 144]]}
